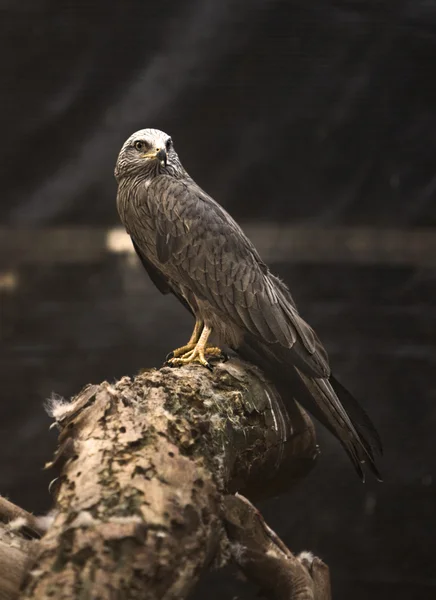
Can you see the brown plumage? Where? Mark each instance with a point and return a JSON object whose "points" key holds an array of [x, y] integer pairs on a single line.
{"points": [[191, 246]]}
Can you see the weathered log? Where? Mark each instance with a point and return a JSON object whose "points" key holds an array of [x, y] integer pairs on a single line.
{"points": [[16, 556], [263, 557], [144, 465], [21, 520]]}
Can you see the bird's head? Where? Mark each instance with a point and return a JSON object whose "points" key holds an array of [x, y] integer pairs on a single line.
{"points": [[148, 152]]}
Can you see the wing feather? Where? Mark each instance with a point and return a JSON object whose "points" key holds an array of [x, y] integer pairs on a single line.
{"points": [[210, 254], [198, 247]]}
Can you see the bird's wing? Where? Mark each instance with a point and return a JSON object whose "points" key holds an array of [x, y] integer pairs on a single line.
{"points": [[215, 259], [158, 277], [325, 398], [211, 256]]}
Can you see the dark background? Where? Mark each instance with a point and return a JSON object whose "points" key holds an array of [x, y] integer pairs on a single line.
{"points": [[318, 116]]}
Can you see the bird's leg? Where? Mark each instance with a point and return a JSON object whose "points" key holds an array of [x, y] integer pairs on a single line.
{"points": [[191, 344], [197, 354], [213, 351]]}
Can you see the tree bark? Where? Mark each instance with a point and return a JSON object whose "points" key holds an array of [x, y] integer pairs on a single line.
{"points": [[264, 558], [16, 556], [146, 469]]}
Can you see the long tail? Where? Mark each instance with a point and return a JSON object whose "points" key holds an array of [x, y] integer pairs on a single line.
{"points": [[326, 399]]}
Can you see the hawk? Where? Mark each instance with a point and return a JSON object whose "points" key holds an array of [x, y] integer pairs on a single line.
{"points": [[190, 246]]}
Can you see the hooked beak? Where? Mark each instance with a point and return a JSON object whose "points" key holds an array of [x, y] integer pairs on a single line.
{"points": [[160, 154]]}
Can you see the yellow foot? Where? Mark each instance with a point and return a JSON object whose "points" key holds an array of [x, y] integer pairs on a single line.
{"points": [[195, 355], [213, 351], [181, 351], [191, 344]]}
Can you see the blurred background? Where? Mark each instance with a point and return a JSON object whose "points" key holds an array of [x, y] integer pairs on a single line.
{"points": [[314, 123]]}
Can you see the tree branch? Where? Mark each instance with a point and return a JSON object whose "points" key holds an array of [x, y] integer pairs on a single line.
{"points": [[144, 466], [16, 556], [10, 514], [264, 558]]}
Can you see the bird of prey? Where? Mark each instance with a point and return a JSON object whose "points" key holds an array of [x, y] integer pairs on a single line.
{"points": [[190, 246]]}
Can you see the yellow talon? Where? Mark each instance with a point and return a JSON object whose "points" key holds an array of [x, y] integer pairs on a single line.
{"points": [[213, 351], [195, 351], [192, 342], [195, 354], [182, 350]]}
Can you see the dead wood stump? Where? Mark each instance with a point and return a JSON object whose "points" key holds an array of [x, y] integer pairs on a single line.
{"points": [[147, 471]]}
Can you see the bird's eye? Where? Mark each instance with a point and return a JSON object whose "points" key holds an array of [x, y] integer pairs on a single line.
{"points": [[141, 145], [169, 143]]}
